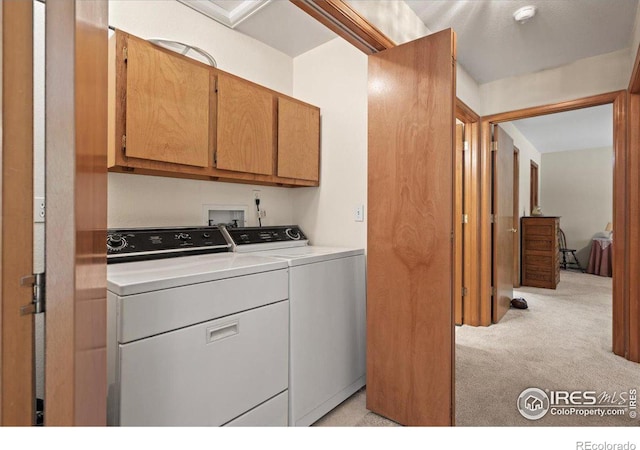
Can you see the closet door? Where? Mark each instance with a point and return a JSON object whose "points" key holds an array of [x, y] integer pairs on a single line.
{"points": [[410, 353]]}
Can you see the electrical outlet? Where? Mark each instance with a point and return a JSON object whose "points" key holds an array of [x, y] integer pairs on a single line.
{"points": [[263, 213], [256, 194], [359, 213], [38, 209]]}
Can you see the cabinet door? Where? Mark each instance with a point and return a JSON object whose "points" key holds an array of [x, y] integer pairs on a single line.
{"points": [[246, 122], [298, 140], [167, 113]]}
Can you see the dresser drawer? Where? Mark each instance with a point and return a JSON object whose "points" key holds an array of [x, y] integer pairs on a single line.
{"points": [[539, 244]]}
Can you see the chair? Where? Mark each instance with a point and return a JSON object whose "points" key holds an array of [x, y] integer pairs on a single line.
{"points": [[562, 243]]}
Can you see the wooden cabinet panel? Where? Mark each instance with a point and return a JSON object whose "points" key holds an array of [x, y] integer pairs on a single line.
{"points": [[167, 106], [245, 127], [540, 261], [298, 140]]}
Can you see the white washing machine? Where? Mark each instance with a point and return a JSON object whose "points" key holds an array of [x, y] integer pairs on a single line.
{"points": [[327, 303], [195, 339]]}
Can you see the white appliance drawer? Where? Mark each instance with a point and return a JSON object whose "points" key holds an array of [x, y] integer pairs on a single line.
{"points": [[151, 313], [205, 374], [272, 413]]}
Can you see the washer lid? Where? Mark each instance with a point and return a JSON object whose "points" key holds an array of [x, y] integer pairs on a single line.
{"points": [[145, 276], [297, 256]]}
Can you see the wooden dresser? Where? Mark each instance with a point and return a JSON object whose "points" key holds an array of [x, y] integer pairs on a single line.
{"points": [[540, 261]]}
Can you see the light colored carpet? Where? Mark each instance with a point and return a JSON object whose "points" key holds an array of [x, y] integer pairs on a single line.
{"points": [[562, 342]]}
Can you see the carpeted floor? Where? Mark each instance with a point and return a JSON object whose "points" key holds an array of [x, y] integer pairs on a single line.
{"points": [[562, 342]]}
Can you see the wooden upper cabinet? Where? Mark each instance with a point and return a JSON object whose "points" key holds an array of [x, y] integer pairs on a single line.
{"points": [[167, 106], [298, 140], [170, 115], [245, 127]]}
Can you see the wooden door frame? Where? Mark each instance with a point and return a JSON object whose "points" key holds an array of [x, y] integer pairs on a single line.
{"points": [[622, 197], [458, 230], [516, 217], [629, 319], [17, 381], [534, 193], [76, 190], [470, 257]]}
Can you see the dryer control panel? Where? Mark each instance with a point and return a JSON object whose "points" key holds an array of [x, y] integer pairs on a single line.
{"points": [[251, 239]]}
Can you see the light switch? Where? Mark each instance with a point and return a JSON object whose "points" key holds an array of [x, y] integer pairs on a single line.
{"points": [[359, 213]]}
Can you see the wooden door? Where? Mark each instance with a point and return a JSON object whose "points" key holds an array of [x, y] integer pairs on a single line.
{"points": [[516, 217], [75, 228], [458, 236], [167, 107], [410, 352], [298, 140], [246, 126], [16, 215], [503, 229]]}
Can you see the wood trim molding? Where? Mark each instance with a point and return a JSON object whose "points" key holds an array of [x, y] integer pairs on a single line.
{"points": [[626, 203], [347, 23], [76, 185], [465, 113], [485, 247], [471, 262], [525, 113], [631, 308], [16, 213], [516, 217]]}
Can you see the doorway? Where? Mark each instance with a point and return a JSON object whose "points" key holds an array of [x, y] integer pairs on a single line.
{"points": [[618, 99]]}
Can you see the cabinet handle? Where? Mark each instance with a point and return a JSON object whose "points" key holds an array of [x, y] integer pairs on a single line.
{"points": [[219, 332]]}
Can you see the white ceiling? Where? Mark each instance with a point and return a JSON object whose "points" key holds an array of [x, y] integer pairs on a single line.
{"points": [[285, 27], [278, 23], [581, 129], [492, 45]]}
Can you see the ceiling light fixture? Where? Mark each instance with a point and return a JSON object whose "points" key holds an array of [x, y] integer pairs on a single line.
{"points": [[524, 14]]}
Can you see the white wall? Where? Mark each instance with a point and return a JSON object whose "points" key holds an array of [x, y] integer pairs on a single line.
{"points": [[233, 51], [401, 24], [334, 77], [635, 40], [578, 186], [136, 200], [582, 78], [393, 18], [139, 201], [527, 154]]}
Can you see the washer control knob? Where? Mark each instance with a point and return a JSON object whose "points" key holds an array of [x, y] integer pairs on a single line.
{"points": [[206, 235], [116, 242], [292, 234]]}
